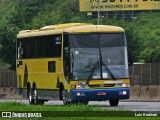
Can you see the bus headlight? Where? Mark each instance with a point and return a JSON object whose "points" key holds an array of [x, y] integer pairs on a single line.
{"points": [[81, 85], [123, 85], [123, 93]]}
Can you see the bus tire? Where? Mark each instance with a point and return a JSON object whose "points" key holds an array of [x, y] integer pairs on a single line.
{"points": [[41, 102], [60, 92], [65, 102], [30, 95], [113, 102], [35, 95]]}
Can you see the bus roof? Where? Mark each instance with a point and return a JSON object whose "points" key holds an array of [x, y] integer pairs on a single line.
{"points": [[69, 28], [94, 28]]}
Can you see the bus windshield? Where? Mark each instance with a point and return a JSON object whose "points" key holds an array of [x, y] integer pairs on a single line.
{"points": [[98, 56]]}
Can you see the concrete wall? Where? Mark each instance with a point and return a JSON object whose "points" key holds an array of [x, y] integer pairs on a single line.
{"points": [[145, 74], [9, 92], [8, 79], [145, 93]]}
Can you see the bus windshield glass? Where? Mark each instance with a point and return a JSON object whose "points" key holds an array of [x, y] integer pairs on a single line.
{"points": [[103, 54]]}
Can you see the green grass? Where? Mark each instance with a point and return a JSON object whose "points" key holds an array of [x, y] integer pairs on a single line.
{"points": [[15, 106], [12, 106]]}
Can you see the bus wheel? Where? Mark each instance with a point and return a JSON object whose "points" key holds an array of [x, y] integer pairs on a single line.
{"points": [[61, 92], [65, 102], [35, 95], [41, 102], [113, 102], [30, 95]]}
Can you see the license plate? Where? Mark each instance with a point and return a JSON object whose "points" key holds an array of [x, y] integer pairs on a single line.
{"points": [[101, 93]]}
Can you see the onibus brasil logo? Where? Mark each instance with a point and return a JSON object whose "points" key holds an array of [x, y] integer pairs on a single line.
{"points": [[20, 115]]}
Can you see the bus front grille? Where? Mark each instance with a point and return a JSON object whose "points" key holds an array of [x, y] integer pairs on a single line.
{"points": [[101, 85]]}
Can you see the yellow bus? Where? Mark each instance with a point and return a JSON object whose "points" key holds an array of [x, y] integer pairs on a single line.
{"points": [[74, 62]]}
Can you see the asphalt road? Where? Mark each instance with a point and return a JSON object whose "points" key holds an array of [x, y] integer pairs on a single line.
{"points": [[131, 106]]}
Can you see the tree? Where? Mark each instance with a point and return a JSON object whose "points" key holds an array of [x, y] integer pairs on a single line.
{"points": [[8, 51]]}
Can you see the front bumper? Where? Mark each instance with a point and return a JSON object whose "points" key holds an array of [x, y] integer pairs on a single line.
{"points": [[99, 94]]}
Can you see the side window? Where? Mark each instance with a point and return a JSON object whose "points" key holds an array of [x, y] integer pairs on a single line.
{"points": [[58, 44], [39, 47], [36, 48], [20, 50], [66, 57]]}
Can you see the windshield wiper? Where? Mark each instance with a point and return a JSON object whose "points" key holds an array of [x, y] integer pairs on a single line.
{"points": [[111, 74], [94, 68], [92, 71]]}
